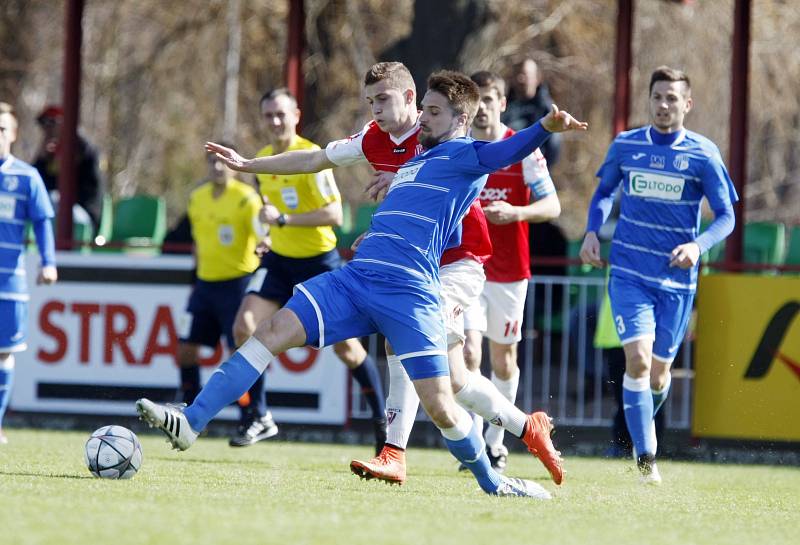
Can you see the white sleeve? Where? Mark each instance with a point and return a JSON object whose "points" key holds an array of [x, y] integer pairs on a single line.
{"points": [[347, 151], [537, 176]]}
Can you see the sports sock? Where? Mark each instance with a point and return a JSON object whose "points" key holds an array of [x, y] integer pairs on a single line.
{"points": [[482, 397], [257, 398], [402, 404], [464, 442], [369, 379], [660, 396], [6, 381], [637, 402], [508, 388], [190, 383], [228, 383]]}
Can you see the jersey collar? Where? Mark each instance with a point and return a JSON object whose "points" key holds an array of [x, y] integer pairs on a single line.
{"points": [[664, 140], [7, 162], [405, 136]]}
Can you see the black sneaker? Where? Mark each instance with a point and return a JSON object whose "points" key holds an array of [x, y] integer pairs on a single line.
{"points": [[379, 427], [498, 457], [260, 429]]}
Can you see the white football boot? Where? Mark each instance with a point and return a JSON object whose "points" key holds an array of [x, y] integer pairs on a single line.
{"points": [[169, 419], [512, 486]]}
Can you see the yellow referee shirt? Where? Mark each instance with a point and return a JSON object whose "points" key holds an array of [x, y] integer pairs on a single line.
{"points": [[296, 194], [225, 230]]}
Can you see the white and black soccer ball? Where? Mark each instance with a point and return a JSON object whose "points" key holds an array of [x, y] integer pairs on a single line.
{"points": [[113, 452]]}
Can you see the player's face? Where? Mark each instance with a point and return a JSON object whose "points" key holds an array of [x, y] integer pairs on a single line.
{"points": [[281, 117], [389, 105], [669, 104], [8, 133], [217, 171], [438, 121], [489, 109]]}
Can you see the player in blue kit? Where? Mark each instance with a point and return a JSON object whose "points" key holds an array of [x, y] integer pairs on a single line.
{"points": [[23, 198], [392, 284], [664, 171]]}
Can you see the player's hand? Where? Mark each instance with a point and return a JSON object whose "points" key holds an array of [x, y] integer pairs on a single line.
{"points": [[590, 251], [500, 213], [381, 180], [47, 275], [229, 157], [269, 214], [685, 256], [263, 246], [357, 242], [560, 120]]}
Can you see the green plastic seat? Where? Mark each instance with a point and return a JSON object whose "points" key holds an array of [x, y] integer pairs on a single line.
{"points": [[764, 243], [793, 251], [140, 224]]}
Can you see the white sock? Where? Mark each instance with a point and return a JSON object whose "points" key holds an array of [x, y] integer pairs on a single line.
{"points": [[462, 428], [508, 388], [402, 404], [482, 397], [256, 354]]}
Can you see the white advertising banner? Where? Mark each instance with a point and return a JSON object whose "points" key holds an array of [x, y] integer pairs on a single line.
{"points": [[105, 334]]}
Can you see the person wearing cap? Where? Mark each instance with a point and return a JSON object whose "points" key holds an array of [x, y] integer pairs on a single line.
{"points": [[90, 184]]}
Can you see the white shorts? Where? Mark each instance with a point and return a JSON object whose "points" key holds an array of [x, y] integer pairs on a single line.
{"points": [[498, 314], [462, 282]]}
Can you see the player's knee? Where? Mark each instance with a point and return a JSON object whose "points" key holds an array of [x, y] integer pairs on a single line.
{"points": [[472, 356], [637, 366]]}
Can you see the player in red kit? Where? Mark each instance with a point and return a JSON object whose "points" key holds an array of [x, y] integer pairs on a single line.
{"points": [[386, 143], [513, 197]]}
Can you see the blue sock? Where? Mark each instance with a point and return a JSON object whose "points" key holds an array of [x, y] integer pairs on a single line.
{"points": [[660, 397], [6, 381], [225, 386], [369, 379], [637, 402], [470, 451]]}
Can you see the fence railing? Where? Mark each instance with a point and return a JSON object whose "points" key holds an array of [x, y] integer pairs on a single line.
{"points": [[561, 371]]}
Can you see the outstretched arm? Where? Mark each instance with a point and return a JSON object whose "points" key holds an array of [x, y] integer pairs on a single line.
{"points": [[288, 162], [500, 154]]}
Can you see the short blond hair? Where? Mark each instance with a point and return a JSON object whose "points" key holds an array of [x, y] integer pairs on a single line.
{"points": [[394, 73]]}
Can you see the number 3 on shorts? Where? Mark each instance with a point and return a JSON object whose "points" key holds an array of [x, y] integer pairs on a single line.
{"points": [[620, 324]]}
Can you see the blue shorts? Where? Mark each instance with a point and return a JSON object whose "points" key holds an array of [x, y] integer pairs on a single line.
{"points": [[642, 312], [354, 301], [13, 325], [212, 309], [277, 275]]}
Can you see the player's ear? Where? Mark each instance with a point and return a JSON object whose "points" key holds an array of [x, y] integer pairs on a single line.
{"points": [[689, 104], [503, 103], [409, 96]]}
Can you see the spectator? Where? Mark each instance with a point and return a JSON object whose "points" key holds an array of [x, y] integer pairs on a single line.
{"points": [[90, 186], [529, 101]]}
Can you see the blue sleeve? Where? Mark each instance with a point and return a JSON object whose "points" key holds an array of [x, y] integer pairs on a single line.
{"points": [[502, 153], [43, 229], [718, 189], [603, 199], [39, 205]]}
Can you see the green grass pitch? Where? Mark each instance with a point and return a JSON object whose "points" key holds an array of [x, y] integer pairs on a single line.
{"points": [[293, 493]]}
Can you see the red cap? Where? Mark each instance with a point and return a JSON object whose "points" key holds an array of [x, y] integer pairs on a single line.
{"points": [[51, 112]]}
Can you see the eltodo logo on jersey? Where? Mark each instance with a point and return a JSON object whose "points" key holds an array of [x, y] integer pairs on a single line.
{"points": [[656, 186]]}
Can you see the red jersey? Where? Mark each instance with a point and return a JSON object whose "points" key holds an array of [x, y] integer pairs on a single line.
{"points": [[384, 152], [514, 184]]}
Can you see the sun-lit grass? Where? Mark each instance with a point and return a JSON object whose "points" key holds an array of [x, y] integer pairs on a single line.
{"points": [[292, 493]]}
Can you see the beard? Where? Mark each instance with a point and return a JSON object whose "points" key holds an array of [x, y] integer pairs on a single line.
{"points": [[429, 140]]}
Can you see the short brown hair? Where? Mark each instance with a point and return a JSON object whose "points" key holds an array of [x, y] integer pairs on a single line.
{"points": [[484, 78], [665, 73], [272, 94], [461, 93], [395, 73]]}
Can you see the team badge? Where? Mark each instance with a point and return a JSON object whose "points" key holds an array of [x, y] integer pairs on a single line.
{"points": [[11, 183], [681, 161]]}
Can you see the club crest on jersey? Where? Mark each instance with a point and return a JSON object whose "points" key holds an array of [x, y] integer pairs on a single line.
{"points": [[656, 186], [11, 183], [681, 161], [289, 197], [657, 161]]}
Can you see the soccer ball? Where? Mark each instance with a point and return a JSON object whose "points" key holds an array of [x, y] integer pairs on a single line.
{"points": [[113, 452]]}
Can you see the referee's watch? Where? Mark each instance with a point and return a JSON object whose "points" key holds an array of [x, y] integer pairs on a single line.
{"points": [[281, 220]]}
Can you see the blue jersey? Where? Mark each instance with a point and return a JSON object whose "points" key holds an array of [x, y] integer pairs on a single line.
{"points": [[23, 198], [663, 179]]}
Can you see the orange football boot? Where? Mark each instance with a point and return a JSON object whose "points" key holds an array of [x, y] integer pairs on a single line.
{"points": [[537, 439], [388, 466]]}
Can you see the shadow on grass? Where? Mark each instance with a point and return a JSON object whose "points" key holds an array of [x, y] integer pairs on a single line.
{"points": [[46, 475]]}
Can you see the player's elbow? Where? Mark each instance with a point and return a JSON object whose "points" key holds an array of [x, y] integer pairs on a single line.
{"points": [[552, 210]]}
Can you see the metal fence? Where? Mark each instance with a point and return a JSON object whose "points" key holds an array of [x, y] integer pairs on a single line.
{"points": [[561, 371]]}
